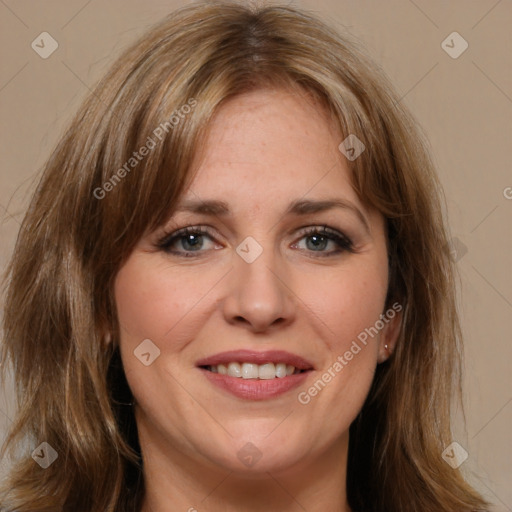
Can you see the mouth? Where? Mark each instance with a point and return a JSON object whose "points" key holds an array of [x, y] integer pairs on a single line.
{"points": [[267, 371], [249, 364], [255, 375]]}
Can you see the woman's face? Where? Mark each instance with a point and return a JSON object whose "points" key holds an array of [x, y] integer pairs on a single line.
{"points": [[288, 269]]}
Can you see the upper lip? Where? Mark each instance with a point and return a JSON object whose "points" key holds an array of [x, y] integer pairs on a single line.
{"points": [[255, 357]]}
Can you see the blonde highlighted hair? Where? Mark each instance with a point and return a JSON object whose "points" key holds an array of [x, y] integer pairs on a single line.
{"points": [[78, 231]]}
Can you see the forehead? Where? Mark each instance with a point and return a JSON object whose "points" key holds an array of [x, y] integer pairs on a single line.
{"points": [[272, 140], [270, 153]]}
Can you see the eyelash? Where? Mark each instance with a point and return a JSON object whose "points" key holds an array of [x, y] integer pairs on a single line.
{"points": [[344, 243]]}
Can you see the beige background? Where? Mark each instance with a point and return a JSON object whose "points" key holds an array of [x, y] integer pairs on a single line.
{"points": [[464, 105]]}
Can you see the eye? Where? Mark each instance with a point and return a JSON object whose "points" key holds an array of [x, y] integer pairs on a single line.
{"points": [[318, 239], [196, 239], [186, 241]]}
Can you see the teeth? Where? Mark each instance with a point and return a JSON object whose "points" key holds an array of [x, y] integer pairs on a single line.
{"points": [[234, 370], [265, 371], [249, 371], [281, 370]]}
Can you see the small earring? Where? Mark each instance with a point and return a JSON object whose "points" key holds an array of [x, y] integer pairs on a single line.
{"points": [[386, 347]]}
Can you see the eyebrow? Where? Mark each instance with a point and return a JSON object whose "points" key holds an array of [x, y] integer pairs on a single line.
{"points": [[298, 207]]}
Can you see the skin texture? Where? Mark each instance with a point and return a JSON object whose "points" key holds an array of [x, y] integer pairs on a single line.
{"points": [[266, 149]]}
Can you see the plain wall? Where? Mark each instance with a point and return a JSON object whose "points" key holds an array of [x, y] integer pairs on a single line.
{"points": [[464, 105]]}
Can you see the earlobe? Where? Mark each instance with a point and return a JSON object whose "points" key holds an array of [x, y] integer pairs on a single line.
{"points": [[389, 337], [384, 353]]}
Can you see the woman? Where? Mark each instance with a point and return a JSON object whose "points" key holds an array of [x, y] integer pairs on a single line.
{"points": [[232, 289]]}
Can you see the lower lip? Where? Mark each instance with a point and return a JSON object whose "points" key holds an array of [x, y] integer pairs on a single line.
{"points": [[256, 389]]}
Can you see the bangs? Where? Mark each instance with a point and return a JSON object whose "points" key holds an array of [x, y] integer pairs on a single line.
{"points": [[155, 129]]}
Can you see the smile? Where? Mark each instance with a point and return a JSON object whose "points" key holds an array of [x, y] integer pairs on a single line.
{"points": [[265, 371], [255, 375]]}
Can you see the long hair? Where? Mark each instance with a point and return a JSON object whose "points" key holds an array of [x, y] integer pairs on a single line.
{"points": [[97, 196]]}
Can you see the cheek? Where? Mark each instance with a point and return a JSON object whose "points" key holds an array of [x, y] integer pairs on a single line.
{"points": [[348, 301], [347, 307], [149, 303]]}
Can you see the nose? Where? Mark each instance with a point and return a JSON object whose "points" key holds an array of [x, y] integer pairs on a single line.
{"points": [[259, 297]]}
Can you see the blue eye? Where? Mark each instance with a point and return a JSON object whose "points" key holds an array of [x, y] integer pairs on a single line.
{"points": [[193, 241], [190, 239], [320, 238], [187, 241]]}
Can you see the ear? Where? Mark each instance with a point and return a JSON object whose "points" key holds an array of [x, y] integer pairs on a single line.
{"points": [[389, 334], [107, 338]]}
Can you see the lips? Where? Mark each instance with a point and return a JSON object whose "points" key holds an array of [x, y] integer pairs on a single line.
{"points": [[250, 387]]}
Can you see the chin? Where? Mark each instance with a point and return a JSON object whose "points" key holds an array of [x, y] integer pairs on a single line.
{"points": [[255, 458]]}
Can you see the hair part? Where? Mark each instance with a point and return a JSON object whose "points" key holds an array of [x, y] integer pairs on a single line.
{"points": [[60, 306]]}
